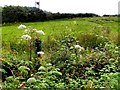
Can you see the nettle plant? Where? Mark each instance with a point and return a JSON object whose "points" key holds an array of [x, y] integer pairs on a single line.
{"points": [[48, 76], [32, 38]]}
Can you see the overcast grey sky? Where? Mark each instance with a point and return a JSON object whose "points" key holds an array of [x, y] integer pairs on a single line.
{"points": [[70, 6]]}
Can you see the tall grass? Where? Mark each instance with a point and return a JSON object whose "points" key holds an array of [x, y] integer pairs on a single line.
{"points": [[84, 29]]}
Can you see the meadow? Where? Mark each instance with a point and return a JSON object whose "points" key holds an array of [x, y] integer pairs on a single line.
{"points": [[92, 63]]}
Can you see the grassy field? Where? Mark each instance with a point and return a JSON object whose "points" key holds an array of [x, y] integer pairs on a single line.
{"points": [[57, 29], [96, 61], [66, 26]]}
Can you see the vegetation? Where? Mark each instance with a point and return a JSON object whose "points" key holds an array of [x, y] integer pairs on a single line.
{"points": [[78, 53], [32, 14]]}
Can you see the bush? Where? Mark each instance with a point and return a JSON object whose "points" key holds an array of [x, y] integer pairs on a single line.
{"points": [[22, 14], [91, 40]]}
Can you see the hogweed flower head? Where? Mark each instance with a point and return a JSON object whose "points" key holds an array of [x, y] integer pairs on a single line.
{"points": [[26, 37], [79, 47], [34, 30], [27, 31], [40, 53], [21, 26], [30, 30], [40, 32]]}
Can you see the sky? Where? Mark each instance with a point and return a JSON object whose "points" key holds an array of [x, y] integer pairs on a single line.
{"points": [[100, 7]]}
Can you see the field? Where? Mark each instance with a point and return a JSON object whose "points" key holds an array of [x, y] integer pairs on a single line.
{"points": [[78, 53]]}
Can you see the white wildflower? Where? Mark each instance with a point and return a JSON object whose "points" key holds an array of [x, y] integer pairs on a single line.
{"points": [[27, 31], [26, 37], [79, 47], [40, 53], [34, 30], [40, 32], [21, 26]]}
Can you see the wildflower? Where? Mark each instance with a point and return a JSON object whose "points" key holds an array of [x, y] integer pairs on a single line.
{"points": [[26, 31], [21, 26], [40, 32], [34, 30], [79, 47], [26, 37], [41, 53]]}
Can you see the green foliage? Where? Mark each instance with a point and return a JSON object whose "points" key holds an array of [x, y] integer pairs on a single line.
{"points": [[110, 80], [88, 64], [73, 58], [23, 70], [92, 40], [11, 82], [22, 14], [2, 71], [30, 14]]}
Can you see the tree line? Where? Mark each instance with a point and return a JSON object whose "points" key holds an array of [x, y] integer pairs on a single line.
{"points": [[33, 14]]}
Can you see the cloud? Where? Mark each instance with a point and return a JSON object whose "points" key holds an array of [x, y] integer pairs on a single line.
{"points": [[71, 6]]}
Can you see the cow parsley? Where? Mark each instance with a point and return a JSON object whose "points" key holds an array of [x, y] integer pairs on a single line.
{"points": [[26, 37], [79, 47], [40, 53], [40, 32], [21, 26]]}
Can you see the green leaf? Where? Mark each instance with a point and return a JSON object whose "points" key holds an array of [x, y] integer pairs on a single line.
{"points": [[22, 68], [31, 80], [2, 70], [56, 73], [40, 73], [10, 78], [49, 64], [42, 68]]}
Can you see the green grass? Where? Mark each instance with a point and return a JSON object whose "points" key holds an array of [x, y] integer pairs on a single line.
{"points": [[59, 28], [96, 63]]}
